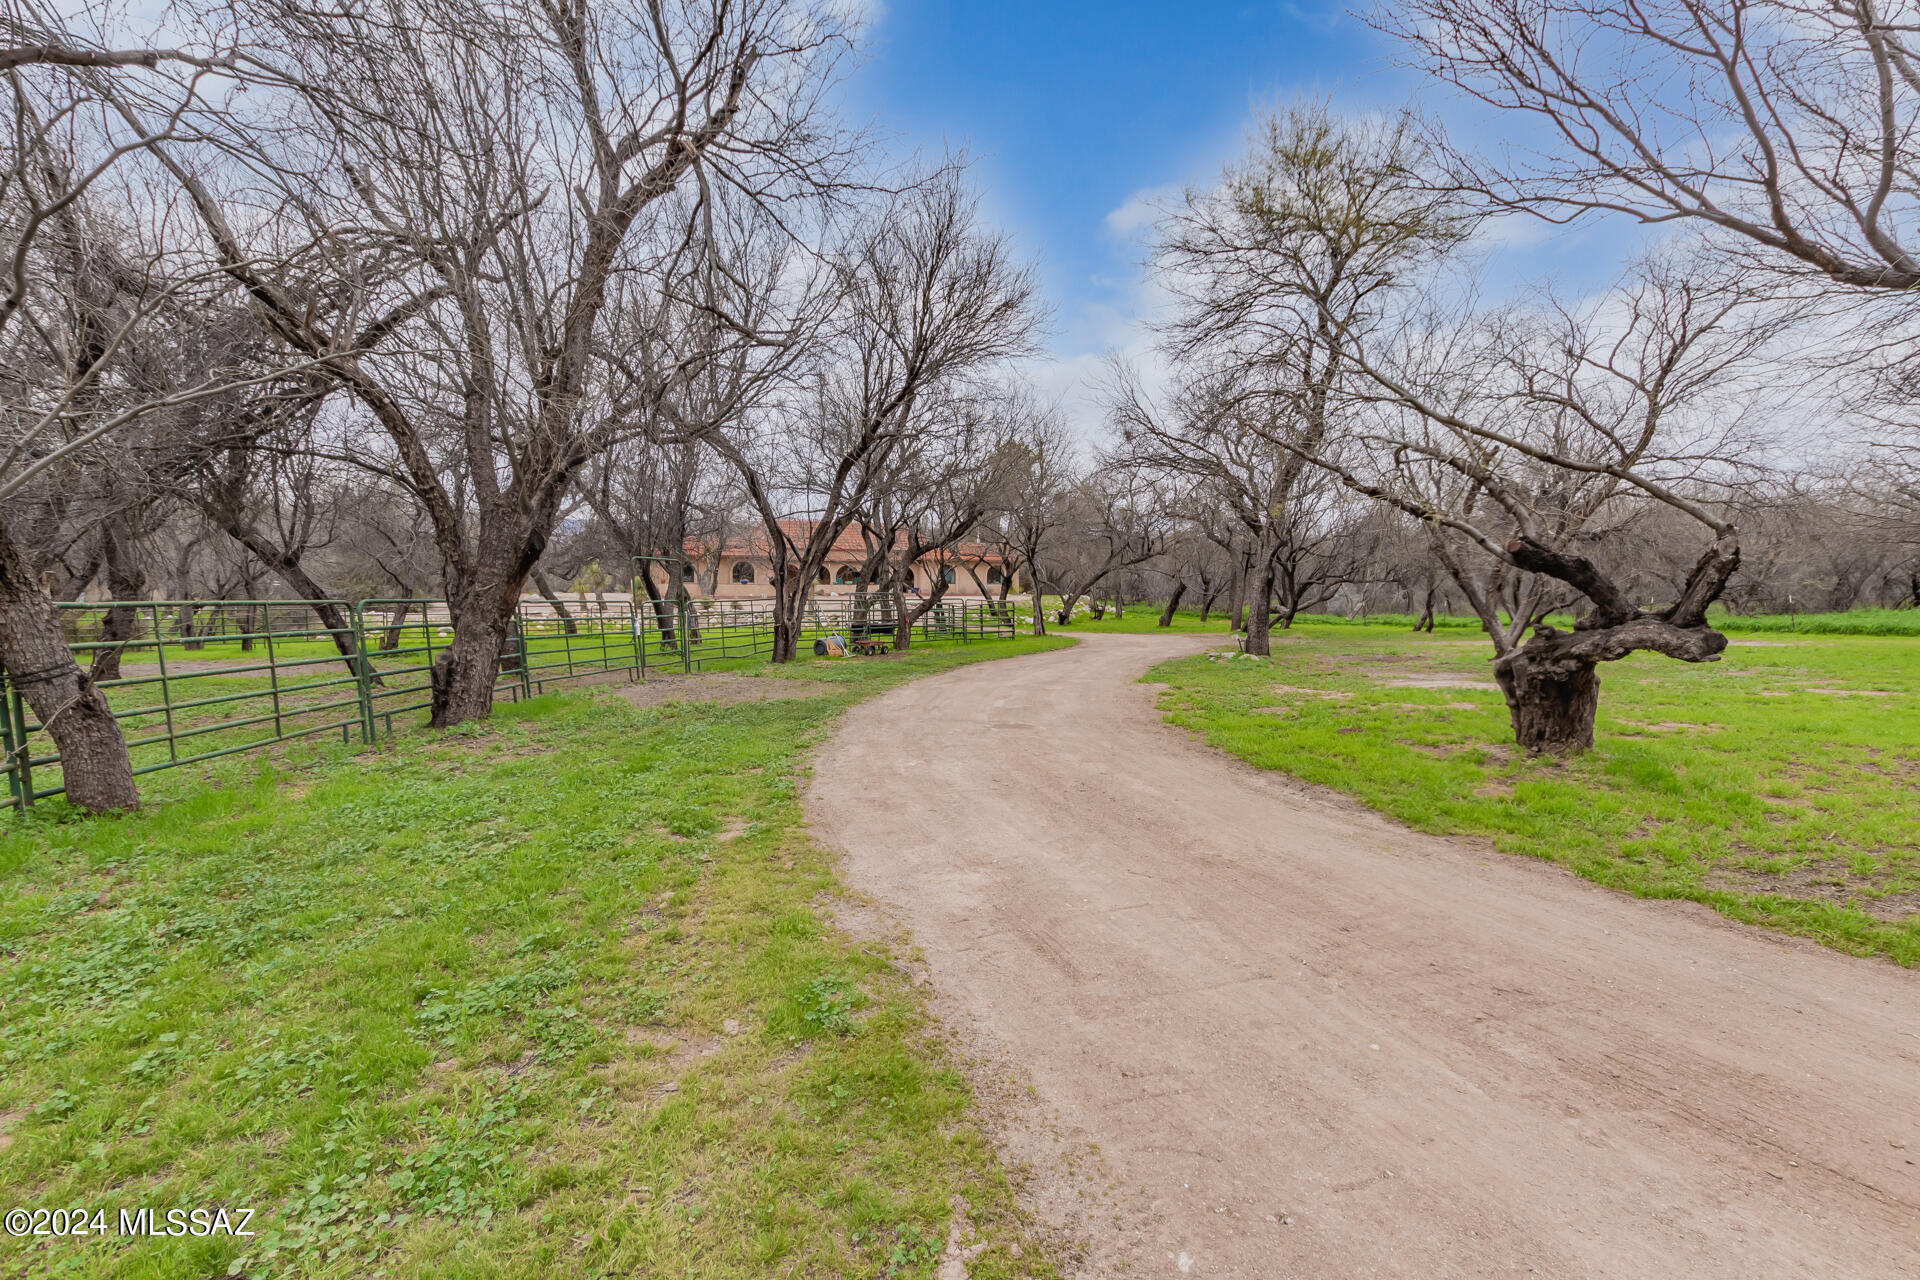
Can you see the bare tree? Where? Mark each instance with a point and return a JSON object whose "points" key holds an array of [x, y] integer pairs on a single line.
{"points": [[927, 305], [1528, 445], [71, 300], [1784, 129], [939, 487], [474, 180], [1043, 467], [1223, 432], [1111, 520], [1786, 124], [1278, 271]]}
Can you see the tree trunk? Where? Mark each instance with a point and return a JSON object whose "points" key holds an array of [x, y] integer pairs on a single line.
{"points": [[903, 629], [789, 620], [1552, 703], [902, 624], [546, 592], [1259, 613], [125, 581], [683, 599], [662, 611], [391, 640], [465, 670], [288, 567], [483, 611], [1173, 603], [96, 768]]}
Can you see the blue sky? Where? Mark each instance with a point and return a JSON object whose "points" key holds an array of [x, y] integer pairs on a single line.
{"points": [[1078, 113]]}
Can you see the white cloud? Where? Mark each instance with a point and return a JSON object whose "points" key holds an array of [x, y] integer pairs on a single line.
{"points": [[1140, 211]]}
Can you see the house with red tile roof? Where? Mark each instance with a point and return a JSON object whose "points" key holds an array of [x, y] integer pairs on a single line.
{"points": [[745, 565]]}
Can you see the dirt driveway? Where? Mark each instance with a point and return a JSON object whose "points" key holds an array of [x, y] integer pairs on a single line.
{"points": [[1305, 1042]]}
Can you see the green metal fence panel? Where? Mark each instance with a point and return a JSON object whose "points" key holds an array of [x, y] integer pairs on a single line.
{"points": [[194, 680]]}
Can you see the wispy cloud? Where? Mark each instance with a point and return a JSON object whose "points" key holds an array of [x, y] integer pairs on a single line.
{"points": [[1141, 210]]}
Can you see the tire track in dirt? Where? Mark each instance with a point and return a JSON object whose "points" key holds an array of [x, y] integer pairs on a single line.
{"points": [[1306, 1042]]}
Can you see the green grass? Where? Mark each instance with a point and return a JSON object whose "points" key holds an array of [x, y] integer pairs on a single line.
{"points": [[444, 1007], [1136, 618], [1778, 786], [1855, 622]]}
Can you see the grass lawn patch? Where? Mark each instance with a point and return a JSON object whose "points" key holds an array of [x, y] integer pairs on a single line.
{"points": [[1780, 786], [1137, 618], [548, 995]]}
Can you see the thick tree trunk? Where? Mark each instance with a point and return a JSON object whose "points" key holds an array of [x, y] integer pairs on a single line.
{"points": [[1259, 613], [1552, 684], [902, 624], [789, 620], [464, 674], [1551, 702], [1173, 604], [483, 613], [97, 771]]}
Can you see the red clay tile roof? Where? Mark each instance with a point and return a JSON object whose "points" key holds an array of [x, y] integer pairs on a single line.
{"points": [[848, 548]]}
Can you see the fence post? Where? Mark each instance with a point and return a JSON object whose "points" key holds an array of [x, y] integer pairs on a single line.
{"points": [[273, 671], [363, 667], [8, 741], [685, 611], [166, 687], [520, 642], [25, 758]]}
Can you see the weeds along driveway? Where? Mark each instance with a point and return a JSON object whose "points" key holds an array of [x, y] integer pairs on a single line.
{"points": [[1307, 1042], [546, 995]]}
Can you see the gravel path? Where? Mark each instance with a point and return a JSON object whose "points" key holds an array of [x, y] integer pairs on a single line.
{"points": [[1306, 1042]]}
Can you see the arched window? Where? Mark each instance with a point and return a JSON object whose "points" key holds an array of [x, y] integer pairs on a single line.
{"points": [[847, 577], [743, 572], [686, 573], [947, 575], [995, 577], [906, 577], [823, 575]]}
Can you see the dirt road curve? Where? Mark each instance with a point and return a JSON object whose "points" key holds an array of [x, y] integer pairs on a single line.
{"points": [[1309, 1043]]}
